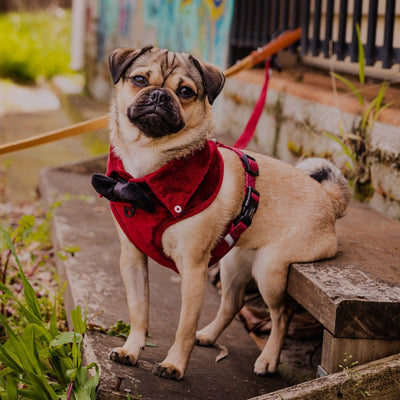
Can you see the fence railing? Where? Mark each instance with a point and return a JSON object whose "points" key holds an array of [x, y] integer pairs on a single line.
{"points": [[256, 21]]}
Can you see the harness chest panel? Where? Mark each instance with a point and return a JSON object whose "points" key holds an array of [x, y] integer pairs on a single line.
{"points": [[180, 189]]}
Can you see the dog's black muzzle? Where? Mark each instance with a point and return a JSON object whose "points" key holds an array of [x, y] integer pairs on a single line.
{"points": [[156, 114]]}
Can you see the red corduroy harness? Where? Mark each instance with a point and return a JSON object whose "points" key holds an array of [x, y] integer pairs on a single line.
{"points": [[181, 189]]}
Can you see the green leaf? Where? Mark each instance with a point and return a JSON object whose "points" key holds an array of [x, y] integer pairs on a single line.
{"points": [[71, 374], [366, 114], [66, 338], [54, 332], [41, 386], [32, 318], [61, 362], [62, 256], [29, 394], [381, 95], [37, 330], [9, 330], [150, 344], [30, 295], [77, 321], [24, 227], [119, 329], [85, 389], [345, 148], [3, 372], [76, 352], [12, 388], [351, 87], [7, 291], [10, 360], [378, 113], [71, 249], [27, 357]]}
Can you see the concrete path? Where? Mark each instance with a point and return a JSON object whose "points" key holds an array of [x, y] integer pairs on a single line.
{"points": [[93, 278]]}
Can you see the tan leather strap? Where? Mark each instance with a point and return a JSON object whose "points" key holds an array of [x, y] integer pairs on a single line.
{"points": [[281, 42]]}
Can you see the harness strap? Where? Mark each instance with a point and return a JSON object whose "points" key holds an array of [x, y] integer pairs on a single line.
{"points": [[249, 207]]}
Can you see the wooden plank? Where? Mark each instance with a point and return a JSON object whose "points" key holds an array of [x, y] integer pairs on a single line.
{"points": [[361, 350], [381, 379], [356, 294]]}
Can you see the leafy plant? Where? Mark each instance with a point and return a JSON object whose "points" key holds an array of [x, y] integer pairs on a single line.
{"points": [[356, 144], [135, 395], [30, 236], [354, 377], [42, 362]]}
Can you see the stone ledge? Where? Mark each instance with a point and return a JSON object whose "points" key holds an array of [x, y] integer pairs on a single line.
{"points": [[317, 87]]}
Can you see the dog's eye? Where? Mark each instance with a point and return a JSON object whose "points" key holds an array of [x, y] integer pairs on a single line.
{"points": [[185, 92], [139, 80]]}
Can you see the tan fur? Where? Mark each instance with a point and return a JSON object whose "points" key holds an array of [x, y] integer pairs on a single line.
{"points": [[294, 223]]}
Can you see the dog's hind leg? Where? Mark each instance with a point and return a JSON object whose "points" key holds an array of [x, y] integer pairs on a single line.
{"points": [[134, 272], [270, 272], [235, 273]]}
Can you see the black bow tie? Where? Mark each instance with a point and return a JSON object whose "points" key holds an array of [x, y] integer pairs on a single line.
{"points": [[127, 192]]}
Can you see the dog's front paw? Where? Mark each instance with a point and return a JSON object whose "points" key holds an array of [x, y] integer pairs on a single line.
{"points": [[122, 356], [167, 371], [263, 367]]}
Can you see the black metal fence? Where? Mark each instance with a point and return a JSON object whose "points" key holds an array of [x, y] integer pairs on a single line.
{"points": [[256, 21]]}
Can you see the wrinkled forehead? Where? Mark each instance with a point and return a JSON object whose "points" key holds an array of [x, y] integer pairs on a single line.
{"points": [[167, 63]]}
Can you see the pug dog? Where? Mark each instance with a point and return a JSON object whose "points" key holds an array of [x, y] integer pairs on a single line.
{"points": [[161, 115]]}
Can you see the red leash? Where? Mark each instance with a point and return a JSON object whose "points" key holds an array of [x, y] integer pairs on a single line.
{"points": [[248, 132]]}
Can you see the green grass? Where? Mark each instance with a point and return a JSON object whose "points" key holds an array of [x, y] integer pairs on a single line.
{"points": [[34, 45]]}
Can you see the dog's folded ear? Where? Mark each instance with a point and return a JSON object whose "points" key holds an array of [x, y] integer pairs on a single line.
{"points": [[127, 192], [212, 77], [121, 59]]}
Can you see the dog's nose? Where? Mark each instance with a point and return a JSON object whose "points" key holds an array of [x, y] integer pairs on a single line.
{"points": [[159, 96]]}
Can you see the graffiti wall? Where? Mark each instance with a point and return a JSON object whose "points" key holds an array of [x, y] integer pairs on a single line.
{"points": [[200, 27]]}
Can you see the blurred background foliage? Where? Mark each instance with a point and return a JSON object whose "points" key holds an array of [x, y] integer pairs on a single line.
{"points": [[35, 39]]}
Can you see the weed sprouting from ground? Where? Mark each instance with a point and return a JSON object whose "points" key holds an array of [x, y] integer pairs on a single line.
{"points": [[30, 237], [353, 377], [28, 227], [134, 395], [37, 360]]}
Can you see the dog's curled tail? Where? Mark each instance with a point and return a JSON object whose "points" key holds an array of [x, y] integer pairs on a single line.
{"points": [[331, 178]]}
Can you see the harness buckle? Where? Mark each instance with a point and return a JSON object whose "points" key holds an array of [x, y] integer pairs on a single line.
{"points": [[249, 207], [250, 164]]}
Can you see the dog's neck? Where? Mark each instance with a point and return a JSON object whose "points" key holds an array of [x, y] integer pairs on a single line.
{"points": [[142, 155]]}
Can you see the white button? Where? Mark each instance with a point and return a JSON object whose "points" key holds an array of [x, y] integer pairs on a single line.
{"points": [[178, 209]]}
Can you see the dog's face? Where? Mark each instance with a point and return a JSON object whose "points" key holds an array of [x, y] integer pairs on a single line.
{"points": [[162, 92]]}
